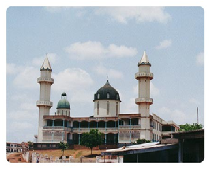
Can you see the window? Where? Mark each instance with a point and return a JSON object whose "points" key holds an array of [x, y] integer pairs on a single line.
{"points": [[62, 112], [97, 108], [116, 108], [117, 97], [66, 113], [108, 95], [107, 107], [98, 96]]}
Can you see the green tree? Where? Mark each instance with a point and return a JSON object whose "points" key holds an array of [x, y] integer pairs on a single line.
{"points": [[91, 139], [140, 141], [63, 146], [30, 144], [189, 127]]}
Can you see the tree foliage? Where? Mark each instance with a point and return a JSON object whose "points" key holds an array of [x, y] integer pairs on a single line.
{"points": [[189, 127], [63, 146], [140, 141], [30, 144], [91, 139]]}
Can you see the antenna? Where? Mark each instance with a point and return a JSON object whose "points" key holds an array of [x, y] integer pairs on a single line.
{"points": [[197, 115]]}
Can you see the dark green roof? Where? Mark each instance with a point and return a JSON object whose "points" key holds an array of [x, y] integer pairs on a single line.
{"points": [[63, 103], [107, 92]]}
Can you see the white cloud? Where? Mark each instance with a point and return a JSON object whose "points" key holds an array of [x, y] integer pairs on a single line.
{"points": [[95, 50], [200, 58], [129, 106], [139, 14], [164, 44], [178, 116], [27, 78], [39, 60], [12, 68], [194, 101], [111, 73], [71, 80]]}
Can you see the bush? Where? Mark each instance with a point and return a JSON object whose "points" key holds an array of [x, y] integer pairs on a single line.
{"points": [[140, 141]]}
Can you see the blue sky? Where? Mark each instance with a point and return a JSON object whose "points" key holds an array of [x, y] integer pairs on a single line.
{"points": [[87, 44]]}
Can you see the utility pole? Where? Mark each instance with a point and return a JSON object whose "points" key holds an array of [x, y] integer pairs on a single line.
{"points": [[197, 115]]}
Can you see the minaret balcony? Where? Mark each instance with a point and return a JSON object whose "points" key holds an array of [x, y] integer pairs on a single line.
{"points": [[44, 103], [144, 100], [45, 79], [141, 75]]}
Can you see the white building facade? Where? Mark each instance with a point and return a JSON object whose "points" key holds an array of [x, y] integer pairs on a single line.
{"points": [[116, 128]]}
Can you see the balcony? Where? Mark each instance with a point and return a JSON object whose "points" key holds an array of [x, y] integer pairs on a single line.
{"points": [[45, 79], [129, 127], [44, 103], [144, 100], [57, 128], [141, 75]]}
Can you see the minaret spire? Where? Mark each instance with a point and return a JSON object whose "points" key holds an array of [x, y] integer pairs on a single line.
{"points": [[144, 101], [44, 102]]}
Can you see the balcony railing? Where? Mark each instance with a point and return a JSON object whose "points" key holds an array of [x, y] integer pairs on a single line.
{"points": [[40, 79], [129, 126], [44, 103], [139, 75], [57, 127], [143, 100]]}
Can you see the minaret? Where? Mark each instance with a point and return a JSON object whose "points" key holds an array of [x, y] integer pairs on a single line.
{"points": [[44, 102], [144, 101]]}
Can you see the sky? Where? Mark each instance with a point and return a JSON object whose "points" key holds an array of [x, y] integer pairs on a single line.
{"points": [[85, 45]]}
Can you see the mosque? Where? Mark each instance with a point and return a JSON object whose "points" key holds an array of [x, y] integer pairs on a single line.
{"points": [[117, 128]]}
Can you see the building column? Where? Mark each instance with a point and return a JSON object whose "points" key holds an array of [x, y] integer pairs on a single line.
{"points": [[180, 151], [63, 123], [130, 136], [118, 132], [88, 125], [105, 125], [53, 123], [79, 139], [62, 135], [52, 136], [105, 139]]}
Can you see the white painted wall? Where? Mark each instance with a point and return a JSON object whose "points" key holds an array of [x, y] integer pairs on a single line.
{"points": [[103, 108], [66, 112]]}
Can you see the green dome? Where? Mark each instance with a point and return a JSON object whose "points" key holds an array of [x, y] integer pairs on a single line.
{"points": [[107, 92], [63, 103]]}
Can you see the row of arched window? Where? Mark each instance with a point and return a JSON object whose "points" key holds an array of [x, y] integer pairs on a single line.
{"points": [[107, 96]]}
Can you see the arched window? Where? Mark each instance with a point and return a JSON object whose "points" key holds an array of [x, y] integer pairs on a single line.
{"points": [[97, 108], [62, 112], [116, 108], [107, 107], [117, 97], [108, 95], [98, 96]]}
